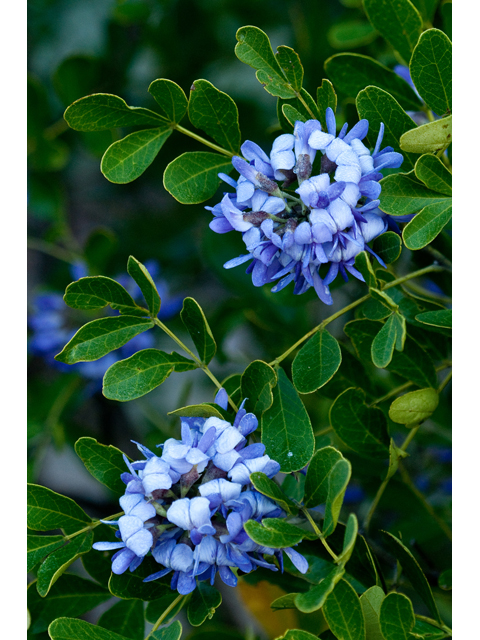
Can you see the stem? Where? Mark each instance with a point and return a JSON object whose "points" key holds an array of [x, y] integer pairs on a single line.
{"points": [[409, 438], [405, 386], [165, 614], [444, 383], [299, 96], [207, 143], [323, 432], [319, 534], [52, 250], [93, 525], [439, 256]]}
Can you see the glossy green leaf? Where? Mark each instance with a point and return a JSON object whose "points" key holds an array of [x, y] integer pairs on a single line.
{"points": [[383, 298], [197, 326], [398, 21], [58, 562], [300, 107], [205, 410], [155, 608], [214, 112], [193, 177], [170, 98], [96, 292], [362, 428], [258, 380], [139, 273], [130, 585], [316, 481], [441, 318], [414, 407], [284, 602], [326, 97], [375, 310], [434, 174], [172, 632], [72, 596], [445, 580], [351, 532], [388, 246], [269, 488], [125, 618], [316, 362], [352, 72], [104, 463], [99, 337], [412, 570], [427, 224], [338, 479], [428, 138], [294, 486], [404, 193], [371, 601], [126, 159], [48, 510], [314, 599], [286, 429], [205, 599], [364, 265], [350, 34], [396, 617], [431, 70], [291, 65], [105, 111], [274, 532], [384, 343], [38, 547], [292, 114], [343, 612], [73, 629], [377, 106]]}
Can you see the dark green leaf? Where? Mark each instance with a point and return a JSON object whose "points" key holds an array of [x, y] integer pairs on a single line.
{"points": [[172, 632], [316, 482], [396, 617], [197, 326], [233, 387], [38, 547], [434, 174], [126, 159], [274, 532], [171, 99], [155, 608], [97, 292], [98, 564], [362, 428], [388, 246], [294, 486], [338, 479], [48, 510], [445, 580], [59, 561], [286, 429], [364, 265], [99, 337], [371, 601], [375, 310], [428, 138], [205, 410], [300, 107], [343, 612], [412, 570], [326, 97], [427, 224], [351, 532], [269, 488], [193, 177], [404, 193], [414, 407], [351, 34], [205, 599], [314, 599], [384, 298], [104, 463], [258, 380], [384, 343], [352, 72], [126, 618], [441, 318], [289, 62], [446, 10], [292, 115], [72, 596], [399, 23], [214, 112], [130, 586], [427, 8], [105, 111], [139, 273], [316, 362], [431, 70], [99, 249], [75, 77], [73, 629], [427, 631]]}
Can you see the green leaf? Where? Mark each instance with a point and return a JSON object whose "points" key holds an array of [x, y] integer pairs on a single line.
{"points": [[384, 343], [139, 273], [292, 115], [297, 634], [73, 596], [384, 298], [48, 510], [352, 72], [434, 174], [343, 612], [104, 463], [426, 631], [314, 599], [371, 601], [399, 23], [106, 111], [125, 618], [258, 380], [286, 429], [350, 34], [364, 265], [130, 586], [300, 107], [205, 410], [445, 580], [205, 599], [38, 547], [284, 602], [446, 11], [326, 97], [233, 387], [59, 561], [404, 193], [97, 292], [428, 138], [338, 479], [274, 532], [362, 428], [73, 629], [214, 112], [193, 177], [197, 326], [170, 98], [414, 407], [427, 224], [316, 482], [155, 608], [172, 632], [377, 106], [414, 573], [396, 617], [316, 362], [269, 488], [351, 532], [441, 318], [126, 159], [431, 70], [388, 246], [291, 65], [99, 337]]}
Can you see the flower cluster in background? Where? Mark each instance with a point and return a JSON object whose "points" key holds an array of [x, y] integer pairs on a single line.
{"points": [[188, 507], [332, 217]]}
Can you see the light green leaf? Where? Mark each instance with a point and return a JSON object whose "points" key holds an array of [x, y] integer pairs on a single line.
{"points": [[205, 599], [58, 562], [104, 463], [38, 547], [338, 479], [258, 380], [290, 63], [396, 617], [316, 482], [343, 612], [396, 454], [314, 599], [130, 585], [414, 407], [274, 532], [205, 410], [292, 115], [427, 224], [441, 318], [96, 292], [73, 629], [384, 343], [316, 362], [214, 112], [134, 377], [106, 111], [326, 97], [284, 602], [99, 337], [269, 488], [193, 177], [286, 429], [384, 298], [428, 138], [388, 246], [350, 34], [48, 510], [197, 326], [352, 72], [371, 601], [434, 174], [171, 99], [139, 273], [351, 532], [403, 194], [125, 618], [126, 159], [398, 21], [364, 265], [431, 70], [172, 632]]}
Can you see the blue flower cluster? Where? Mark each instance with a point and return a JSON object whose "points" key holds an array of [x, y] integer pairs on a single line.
{"points": [[289, 237], [188, 507]]}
